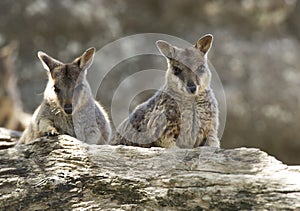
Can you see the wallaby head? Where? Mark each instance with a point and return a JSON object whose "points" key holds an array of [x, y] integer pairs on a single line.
{"points": [[66, 80], [188, 71]]}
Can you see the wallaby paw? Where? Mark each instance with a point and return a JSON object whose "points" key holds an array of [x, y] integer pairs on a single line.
{"points": [[212, 142], [51, 133]]}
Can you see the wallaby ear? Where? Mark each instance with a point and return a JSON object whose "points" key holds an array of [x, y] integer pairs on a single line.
{"points": [[204, 43], [86, 59], [48, 62], [165, 48]]}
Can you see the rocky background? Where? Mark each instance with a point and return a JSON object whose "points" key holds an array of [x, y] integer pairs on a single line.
{"points": [[256, 54]]}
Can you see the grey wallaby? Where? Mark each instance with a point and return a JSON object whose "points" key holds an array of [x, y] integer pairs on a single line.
{"points": [[69, 106], [184, 112]]}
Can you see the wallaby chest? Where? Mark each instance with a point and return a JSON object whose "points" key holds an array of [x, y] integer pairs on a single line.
{"points": [[190, 121], [61, 121], [195, 119], [64, 124]]}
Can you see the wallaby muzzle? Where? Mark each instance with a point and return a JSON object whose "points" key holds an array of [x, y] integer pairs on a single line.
{"points": [[68, 108], [191, 87]]}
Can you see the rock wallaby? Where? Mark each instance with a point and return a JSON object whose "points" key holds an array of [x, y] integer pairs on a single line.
{"points": [[184, 112], [12, 115], [69, 106]]}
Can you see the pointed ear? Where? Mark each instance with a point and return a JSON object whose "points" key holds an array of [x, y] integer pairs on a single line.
{"points": [[165, 48], [48, 62], [204, 43], [86, 59]]}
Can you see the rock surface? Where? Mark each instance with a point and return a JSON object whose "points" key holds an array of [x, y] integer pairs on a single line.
{"points": [[62, 173]]}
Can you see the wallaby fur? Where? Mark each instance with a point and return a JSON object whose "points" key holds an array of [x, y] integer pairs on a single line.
{"points": [[184, 112], [68, 106]]}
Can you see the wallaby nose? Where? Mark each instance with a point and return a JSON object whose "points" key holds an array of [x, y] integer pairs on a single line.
{"points": [[191, 87], [68, 108]]}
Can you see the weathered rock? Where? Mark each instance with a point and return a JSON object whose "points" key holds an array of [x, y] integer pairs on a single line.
{"points": [[8, 138], [62, 173]]}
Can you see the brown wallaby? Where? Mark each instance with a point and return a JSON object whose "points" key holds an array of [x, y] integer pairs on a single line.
{"points": [[69, 106], [184, 112], [12, 115]]}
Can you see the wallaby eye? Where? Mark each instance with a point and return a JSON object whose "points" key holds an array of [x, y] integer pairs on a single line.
{"points": [[79, 87], [201, 69], [56, 90], [176, 70]]}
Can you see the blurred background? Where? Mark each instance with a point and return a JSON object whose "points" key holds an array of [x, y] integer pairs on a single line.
{"points": [[256, 53]]}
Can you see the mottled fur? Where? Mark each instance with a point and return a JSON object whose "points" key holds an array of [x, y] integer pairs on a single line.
{"points": [[68, 106], [184, 112]]}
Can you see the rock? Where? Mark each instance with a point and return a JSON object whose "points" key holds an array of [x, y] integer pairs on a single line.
{"points": [[63, 173], [8, 138]]}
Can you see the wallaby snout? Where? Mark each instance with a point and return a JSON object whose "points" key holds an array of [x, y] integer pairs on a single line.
{"points": [[68, 108], [191, 87]]}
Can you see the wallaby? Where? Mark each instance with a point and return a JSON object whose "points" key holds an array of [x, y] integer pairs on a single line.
{"points": [[12, 115], [184, 112], [69, 106]]}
